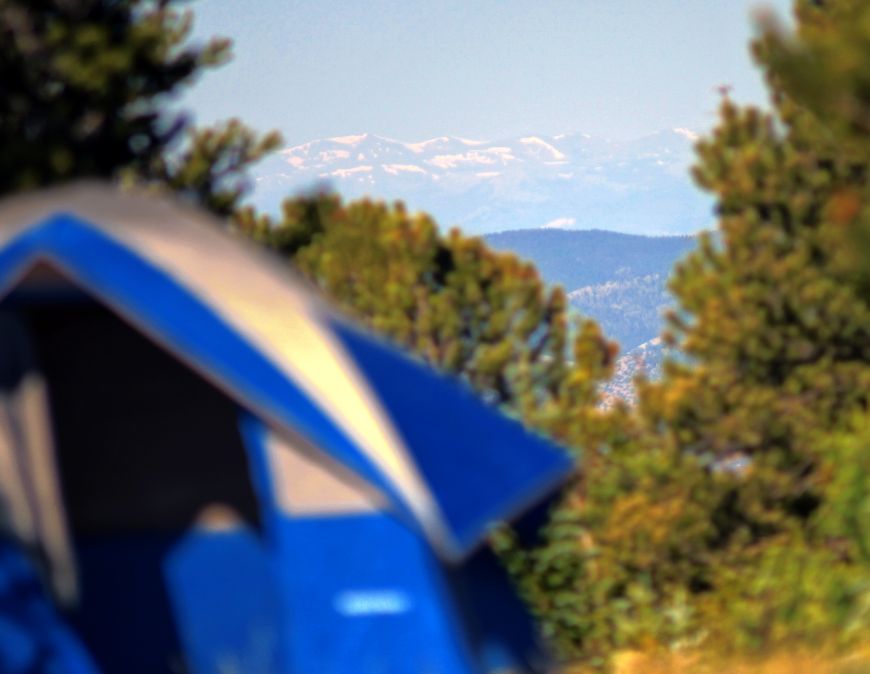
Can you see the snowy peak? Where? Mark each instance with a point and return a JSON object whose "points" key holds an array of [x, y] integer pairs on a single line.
{"points": [[686, 133], [349, 140], [442, 143], [451, 154], [542, 147]]}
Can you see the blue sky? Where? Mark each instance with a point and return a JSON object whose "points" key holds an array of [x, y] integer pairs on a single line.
{"points": [[476, 68]]}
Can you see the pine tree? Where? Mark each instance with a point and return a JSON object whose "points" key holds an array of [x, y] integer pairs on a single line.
{"points": [[730, 511], [774, 318], [83, 92]]}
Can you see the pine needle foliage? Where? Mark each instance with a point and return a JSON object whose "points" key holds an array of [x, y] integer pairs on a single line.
{"points": [[730, 514], [85, 87]]}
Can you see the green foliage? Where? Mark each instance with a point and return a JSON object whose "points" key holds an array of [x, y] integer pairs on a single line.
{"points": [[732, 513], [83, 92], [825, 72], [845, 515], [778, 324], [823, 69], [626, 550], [209, 171], [782, 335]]}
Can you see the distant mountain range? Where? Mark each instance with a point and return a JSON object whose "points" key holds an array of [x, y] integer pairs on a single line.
{"points": [[570, 181]]}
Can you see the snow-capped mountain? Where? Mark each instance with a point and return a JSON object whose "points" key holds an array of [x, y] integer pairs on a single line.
{"points": [[571, 181]]}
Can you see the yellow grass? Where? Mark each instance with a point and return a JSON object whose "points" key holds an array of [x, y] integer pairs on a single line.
{"points": [[794, 662]]}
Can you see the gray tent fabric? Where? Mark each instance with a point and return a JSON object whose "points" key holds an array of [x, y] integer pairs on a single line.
{"points": [[30, 502]]}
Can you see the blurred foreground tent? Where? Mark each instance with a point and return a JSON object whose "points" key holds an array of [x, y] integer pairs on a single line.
{"points": [[203, 469]]}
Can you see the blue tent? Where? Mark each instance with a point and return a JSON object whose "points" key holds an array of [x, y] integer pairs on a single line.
{"points": [[214, 472]]}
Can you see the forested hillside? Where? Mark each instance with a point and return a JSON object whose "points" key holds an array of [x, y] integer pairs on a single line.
{"points": [[630, 310], [578, 258], [619, 280]]}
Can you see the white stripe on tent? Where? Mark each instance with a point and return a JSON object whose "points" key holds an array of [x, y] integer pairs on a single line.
{"points": [[309, 485]]}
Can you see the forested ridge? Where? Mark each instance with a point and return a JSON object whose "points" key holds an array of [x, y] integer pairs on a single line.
{"points": [[578, 258], [728, 511], [618, 280]]}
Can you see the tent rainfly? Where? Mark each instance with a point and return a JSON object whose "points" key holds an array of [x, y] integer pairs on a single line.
{"points": [[204, 469]]}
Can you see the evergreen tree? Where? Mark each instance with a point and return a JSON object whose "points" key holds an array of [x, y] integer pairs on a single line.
{"points": [[83, 92], [774, 318], [730, 511]]}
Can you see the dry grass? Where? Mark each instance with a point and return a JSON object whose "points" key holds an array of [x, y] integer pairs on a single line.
{"points": [[795, 662]]}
